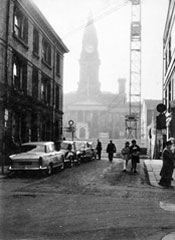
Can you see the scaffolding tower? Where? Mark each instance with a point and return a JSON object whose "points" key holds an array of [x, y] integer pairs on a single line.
{"points": [[133, 119]]}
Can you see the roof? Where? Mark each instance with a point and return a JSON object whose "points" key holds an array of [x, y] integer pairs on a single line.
{"points": [[41, 20], [38, 143], [68, 141]]}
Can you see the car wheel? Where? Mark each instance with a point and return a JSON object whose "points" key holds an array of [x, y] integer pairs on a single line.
{"points": [[49, 169], [11, 174], [71, 162], [63, 165], [79, 160]]}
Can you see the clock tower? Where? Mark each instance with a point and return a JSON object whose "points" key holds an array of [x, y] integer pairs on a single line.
{"points": [[89, 86]]}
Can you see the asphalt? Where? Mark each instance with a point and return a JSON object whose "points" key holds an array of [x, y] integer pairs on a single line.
{"points": [[152, 166]]}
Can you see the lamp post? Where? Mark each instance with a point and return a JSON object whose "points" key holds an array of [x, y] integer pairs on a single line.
{"points": [[72, 128]]}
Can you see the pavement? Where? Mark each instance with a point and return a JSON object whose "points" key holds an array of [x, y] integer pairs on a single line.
{"points": [[153, 167]]}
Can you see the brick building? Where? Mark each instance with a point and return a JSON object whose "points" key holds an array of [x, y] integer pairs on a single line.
{"points": [[31, 75]]}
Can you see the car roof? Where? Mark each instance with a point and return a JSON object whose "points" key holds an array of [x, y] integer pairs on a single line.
{"points": [[67, 141], [80, 141], [39, 143]]}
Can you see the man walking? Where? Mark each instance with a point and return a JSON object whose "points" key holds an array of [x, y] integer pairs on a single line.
{"points": [[111, 149], [99, 149], [135, 153]]}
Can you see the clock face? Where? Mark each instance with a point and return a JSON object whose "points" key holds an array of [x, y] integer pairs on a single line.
{"points": [[89, 48]]}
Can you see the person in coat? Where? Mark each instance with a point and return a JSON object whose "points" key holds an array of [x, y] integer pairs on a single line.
{"points": [[99, 149], [111, 149], [135, 155], [126, 155], [167, 167]]}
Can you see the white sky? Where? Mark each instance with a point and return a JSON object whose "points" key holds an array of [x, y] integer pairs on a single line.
{"points": [[68, 18]]}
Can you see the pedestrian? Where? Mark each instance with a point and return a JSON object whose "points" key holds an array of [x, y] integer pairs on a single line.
{"points": [[135, 155], [125, 155], [173, 150], [111, 149], [99, 149], [167, 167]]}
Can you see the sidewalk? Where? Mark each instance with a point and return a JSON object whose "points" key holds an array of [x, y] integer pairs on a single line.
{"points": [[153, 168]]}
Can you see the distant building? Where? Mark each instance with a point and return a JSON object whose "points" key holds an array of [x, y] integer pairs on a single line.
{"points": [[31, 75], [148, 116], [96, 114], [169, 69]]}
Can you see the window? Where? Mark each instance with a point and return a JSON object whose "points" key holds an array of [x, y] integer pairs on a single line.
{"points": [[45, 90], [169, 50], [35, 41], [169, 94], [57, 97], [46, 57], [20, 25], [58, 67], [35, 83], [166, 100], [19, 74], [58, 100]]}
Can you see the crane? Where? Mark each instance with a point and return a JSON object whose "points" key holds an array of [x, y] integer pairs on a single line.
{"points": [[133, 119]]}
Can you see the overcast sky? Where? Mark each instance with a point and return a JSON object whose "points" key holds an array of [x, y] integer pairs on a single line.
{"points": [[112, 22]]}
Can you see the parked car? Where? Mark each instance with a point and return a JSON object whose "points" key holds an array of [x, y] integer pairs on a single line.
{"points": [[36, 156], [86, 151], [71, 156], [92, 146]]}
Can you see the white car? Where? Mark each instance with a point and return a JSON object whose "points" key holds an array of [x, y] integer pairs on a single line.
{"points": [[40, 156]]}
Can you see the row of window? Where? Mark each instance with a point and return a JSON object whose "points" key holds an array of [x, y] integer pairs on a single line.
{"points": [[21, 32], [169, 50], [19, 77]]}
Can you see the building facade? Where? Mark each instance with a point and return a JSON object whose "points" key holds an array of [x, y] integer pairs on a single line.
{"points": [[31, 75], [169, 69], [148, 117], [96, 114]]}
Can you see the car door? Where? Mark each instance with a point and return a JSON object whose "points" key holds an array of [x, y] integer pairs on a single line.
{"points": [[49, 155], [56, 156]]}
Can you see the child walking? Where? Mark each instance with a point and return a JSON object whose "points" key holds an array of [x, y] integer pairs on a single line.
{"points": [[125, 154]]}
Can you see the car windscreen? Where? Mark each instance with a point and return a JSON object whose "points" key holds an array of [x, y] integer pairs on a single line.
{"points": [[32, 148]]}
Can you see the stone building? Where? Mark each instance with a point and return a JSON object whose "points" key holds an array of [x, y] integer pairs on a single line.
{"points": [[96, 114], [31, 75], [169, 69]]}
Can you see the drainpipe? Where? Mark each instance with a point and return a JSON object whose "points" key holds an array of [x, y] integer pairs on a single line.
{"points": [[5, 84], [53, 98]]}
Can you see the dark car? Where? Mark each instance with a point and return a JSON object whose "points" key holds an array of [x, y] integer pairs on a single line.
{"points": [[85, 150], [93, 148]]}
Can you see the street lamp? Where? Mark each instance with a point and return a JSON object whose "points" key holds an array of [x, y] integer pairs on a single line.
{"points": [[71, 128]]}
